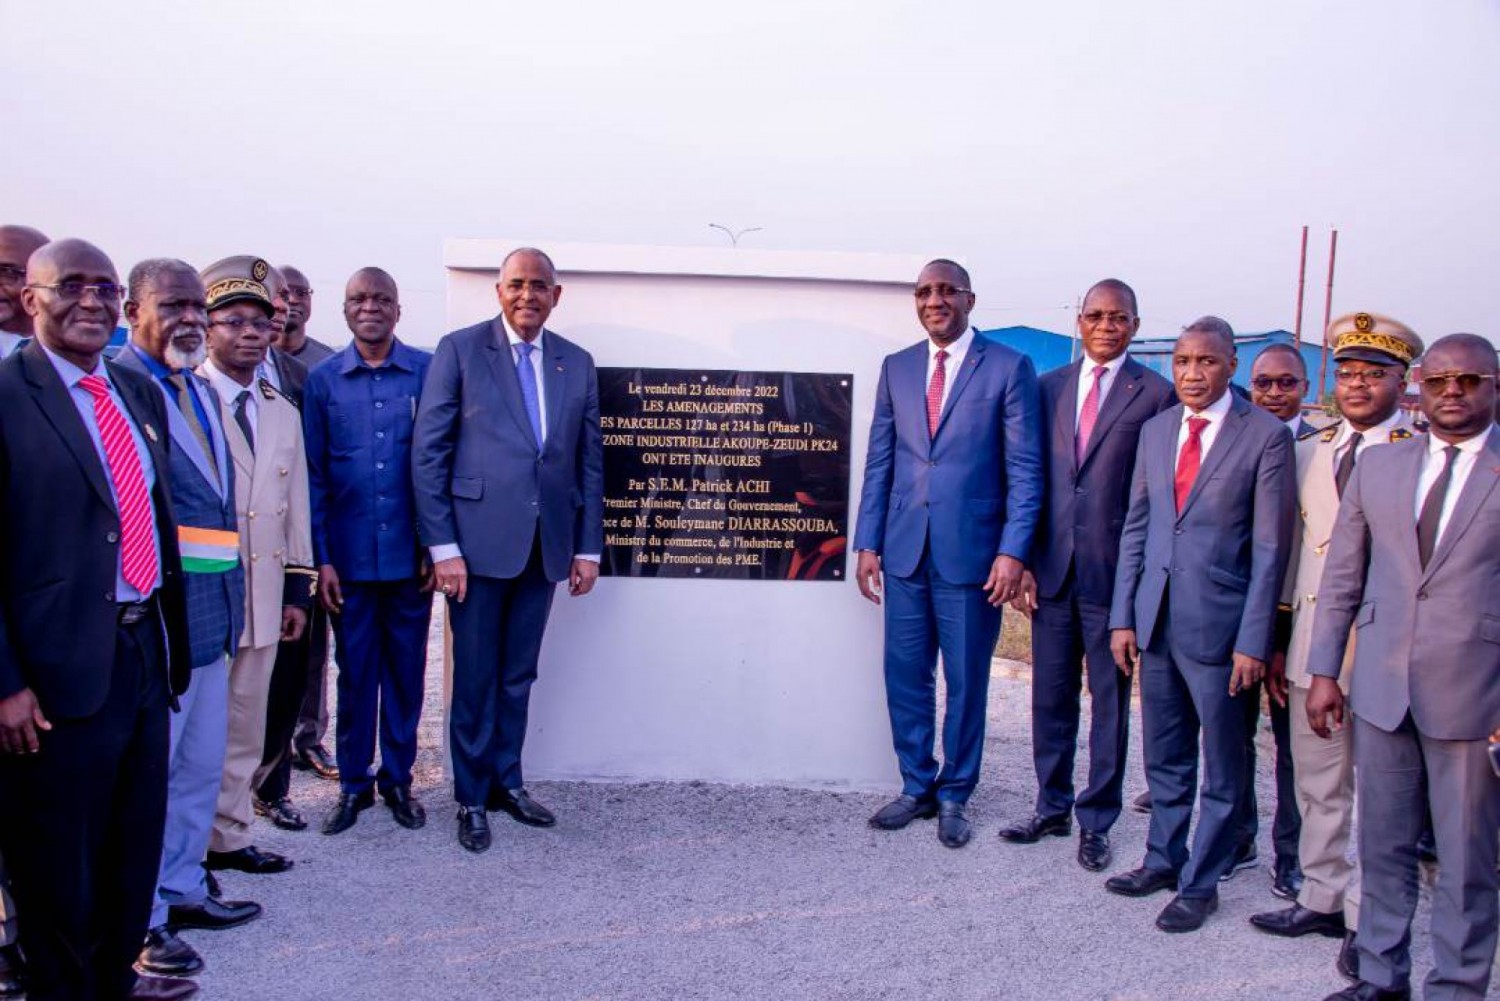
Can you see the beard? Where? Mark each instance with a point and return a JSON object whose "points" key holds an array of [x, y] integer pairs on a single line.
{"points": [[177, 358]]}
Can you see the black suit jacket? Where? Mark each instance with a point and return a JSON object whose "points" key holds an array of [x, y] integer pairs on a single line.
{"points": [[293, 375], [59, 540], [1085, 507]]}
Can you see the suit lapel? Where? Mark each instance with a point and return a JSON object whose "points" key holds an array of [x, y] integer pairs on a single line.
{"points": [[57, 405], [1234, 423], [1123, 393], [1482, 479], [140, 412], [1063, 418], [554, 375], [972, 361], [909, 380], [502, 365], [177, 425], [1165, 445]]}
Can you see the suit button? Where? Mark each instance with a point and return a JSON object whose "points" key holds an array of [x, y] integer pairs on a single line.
{"points": [[249, 514], [109, 596], [112, 537], [1078, 490], [379, 404], [283, 471], [1176, 531], [254, 557], [281, 509], [1421, 595], [379, 465]]}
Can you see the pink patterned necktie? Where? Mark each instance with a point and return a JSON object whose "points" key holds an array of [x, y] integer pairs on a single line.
{"points": [[935, 392], [1088, 416], [137, 544]]}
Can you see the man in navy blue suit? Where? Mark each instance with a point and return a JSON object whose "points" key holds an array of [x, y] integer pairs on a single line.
{"points": [[1202, 554], [952, 492], [508, 469], [1092, 412]]}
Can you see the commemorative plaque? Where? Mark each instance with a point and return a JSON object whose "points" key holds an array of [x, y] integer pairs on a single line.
{"points": [[725, 474]]}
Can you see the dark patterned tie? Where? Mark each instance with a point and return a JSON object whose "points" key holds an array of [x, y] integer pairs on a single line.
{"points": [[178, 381], [242, 418], [1432, 508], [1346, 463]]}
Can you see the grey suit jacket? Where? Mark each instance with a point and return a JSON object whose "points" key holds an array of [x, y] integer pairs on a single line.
{"points": [[1428, 641], [1226, 553], [479, 479]]}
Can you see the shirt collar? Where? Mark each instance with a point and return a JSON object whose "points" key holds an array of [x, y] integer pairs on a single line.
{"points": [[1294, 425], [1215, 411], [156, 368], [1380, 432], [71, 374], [1110, 367], [226, 387], [958, 347], [1474, 444], [399, 357], [512, 338]]}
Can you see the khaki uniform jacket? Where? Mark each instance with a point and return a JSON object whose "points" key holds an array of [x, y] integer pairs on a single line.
{"points": [[275, 522], [1318, 507]]}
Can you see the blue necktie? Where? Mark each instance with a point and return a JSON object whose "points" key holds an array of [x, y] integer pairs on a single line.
{"points": [[527, 375]]}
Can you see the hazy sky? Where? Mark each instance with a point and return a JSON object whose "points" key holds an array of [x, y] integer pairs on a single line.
{"points": [[1176, 145]]}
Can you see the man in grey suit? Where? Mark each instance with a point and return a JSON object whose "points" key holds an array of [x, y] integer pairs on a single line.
{"points": [[1204, 548], [508, 469], [1411, 570]]}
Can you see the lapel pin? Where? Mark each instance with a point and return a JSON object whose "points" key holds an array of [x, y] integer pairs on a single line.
{"points": [[150, 432]]}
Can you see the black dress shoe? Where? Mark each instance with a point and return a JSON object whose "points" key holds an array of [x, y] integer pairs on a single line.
{"points": [[1286, 878], [407, 810], [1093, 851], [162, 989], [902, 811], [212, 882], [1141, 882], [1369, 992], [1245, 857], [1296, 921], [954, 830], [317, 760], [519, 804], [281, 813], [166, 955], [12, 972], [346, 810], [1142, 803], [1186, 914], [1029, 832], [1347, 962], [1427, 848], [212, 914], [250, 859], [473, 829]]}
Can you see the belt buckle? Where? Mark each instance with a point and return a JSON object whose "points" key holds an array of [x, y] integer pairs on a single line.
{"points": [[133, 613]]}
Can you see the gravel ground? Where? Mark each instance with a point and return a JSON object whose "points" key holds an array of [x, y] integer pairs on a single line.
{"points": [[703, 891]]}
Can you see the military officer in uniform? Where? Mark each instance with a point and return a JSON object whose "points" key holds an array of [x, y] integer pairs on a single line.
{"points": [[1372, 353]]}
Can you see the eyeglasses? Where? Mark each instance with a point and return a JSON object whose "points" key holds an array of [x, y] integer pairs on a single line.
{"points": [[379, 301], [1285, 383], [1094, 317], [11, 275], [1468, 382], [239, 323], [70, 291], [300, 291], [922, 292], [1367, 376]]}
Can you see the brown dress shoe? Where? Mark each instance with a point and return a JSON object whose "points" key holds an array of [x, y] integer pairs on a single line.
{"points": [[162, 989]]}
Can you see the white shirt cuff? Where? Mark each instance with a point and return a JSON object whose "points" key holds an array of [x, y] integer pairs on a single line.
{"points": [[446, 551], [591, 557]]}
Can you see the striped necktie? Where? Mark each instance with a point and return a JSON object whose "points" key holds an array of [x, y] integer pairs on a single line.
{"points": [[137, 542]]}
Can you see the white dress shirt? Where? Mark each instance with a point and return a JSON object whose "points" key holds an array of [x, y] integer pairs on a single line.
{"points": [[9, 342], [1214, 413], [1086, 382], [229, 391], [957, 351], [1463, 464]]}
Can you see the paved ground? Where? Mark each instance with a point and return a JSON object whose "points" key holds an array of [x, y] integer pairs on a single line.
{"points": [[696, 891]]}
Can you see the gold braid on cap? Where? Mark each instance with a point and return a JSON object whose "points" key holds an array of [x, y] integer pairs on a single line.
{"points": [[229, 286], [1393, 346]]}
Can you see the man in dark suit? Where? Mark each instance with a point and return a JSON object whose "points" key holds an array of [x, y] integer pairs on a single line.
{"points": [[90, 554], [1205, 545], [1410, 580], [508, 469], [280, 369], [952, 492], [17, 244], [168, 317], [1278, 385], [1092, 412]]}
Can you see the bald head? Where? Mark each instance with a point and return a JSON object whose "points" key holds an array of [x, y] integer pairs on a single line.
{"points": [[17, 244], [76, 326], [533, 254]]}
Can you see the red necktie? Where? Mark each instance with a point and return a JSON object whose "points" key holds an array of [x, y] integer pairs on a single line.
{"points": [[1188, 461], [137, 544], [1088, 415], [935, 393]]}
